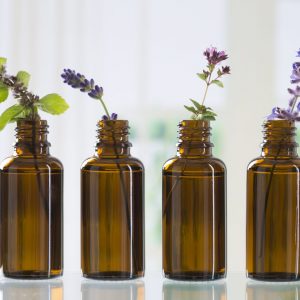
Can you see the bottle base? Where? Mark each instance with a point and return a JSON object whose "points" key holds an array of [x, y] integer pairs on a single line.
{"points": [[195, 276], [274, 276], [31, 275], [113, 275]]}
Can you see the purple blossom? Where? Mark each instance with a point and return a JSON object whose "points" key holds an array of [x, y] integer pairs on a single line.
{"points": [[290, 113], [79, 81], [214, 56], [226, 70], [295, 92], [284, 114], [113, 117], [295, 77], [96, 92]]}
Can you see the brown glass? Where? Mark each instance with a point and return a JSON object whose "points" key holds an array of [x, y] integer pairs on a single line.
{"points": [[194, 208], [32, 206], [273, 216], [112, 207]]}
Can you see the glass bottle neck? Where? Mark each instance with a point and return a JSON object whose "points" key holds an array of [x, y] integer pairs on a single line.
{"points": [[113, 139], [31, 138], [194, 139], [279, 139]]}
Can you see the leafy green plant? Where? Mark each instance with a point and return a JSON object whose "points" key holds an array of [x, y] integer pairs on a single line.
{"points": [[28, 104], [214, 58]]}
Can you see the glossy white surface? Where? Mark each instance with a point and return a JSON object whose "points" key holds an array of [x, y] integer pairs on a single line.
{"points": [[153, 287]]}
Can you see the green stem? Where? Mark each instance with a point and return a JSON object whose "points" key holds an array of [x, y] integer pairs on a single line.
{"points": [[105, 108], [208, 82]]}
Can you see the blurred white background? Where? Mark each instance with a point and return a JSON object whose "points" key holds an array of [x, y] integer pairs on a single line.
{"points": [[145, 53]]}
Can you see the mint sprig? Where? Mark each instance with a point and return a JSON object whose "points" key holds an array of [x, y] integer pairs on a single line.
{"points": [[28, 104]]}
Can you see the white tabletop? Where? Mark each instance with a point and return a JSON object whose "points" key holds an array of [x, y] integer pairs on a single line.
{"points": [[153, 287]]}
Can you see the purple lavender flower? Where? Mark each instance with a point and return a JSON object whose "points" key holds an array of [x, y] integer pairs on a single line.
{"points": [[113, 117], [214, 56], [289, 113], [295, 92], [79, 81], [96, 92], [295, 77]]}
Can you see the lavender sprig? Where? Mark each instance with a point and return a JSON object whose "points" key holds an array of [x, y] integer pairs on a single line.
{"points": [[290, 113], [79, 81], [214, 58]]}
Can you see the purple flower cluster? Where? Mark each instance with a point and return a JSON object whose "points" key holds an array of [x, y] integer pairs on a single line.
{"points": [[295, 77], [113, 117], [79, 81], [214, 56], [289, 113]]}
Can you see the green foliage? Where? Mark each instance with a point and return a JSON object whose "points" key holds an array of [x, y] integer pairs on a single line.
{"points": [[10, 114], [53, 104], [3, 93], [202, 76], [23, 77], [218, 83], [2, 61], [28, 104], [201, 112]]}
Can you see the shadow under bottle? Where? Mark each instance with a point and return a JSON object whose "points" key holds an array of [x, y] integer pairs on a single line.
{"points": [[273, 216], [112, 207], [32, 206], [194, 208]]}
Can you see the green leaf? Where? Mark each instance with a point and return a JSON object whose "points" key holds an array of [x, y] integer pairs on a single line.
{"points": [[25, 113], [197, 105], [210, 113], [53, 104], [23, 77], [218, 83], [10, 114], [191, 109], [208, 118], [202, 76], [3, 93], [2, 61]]}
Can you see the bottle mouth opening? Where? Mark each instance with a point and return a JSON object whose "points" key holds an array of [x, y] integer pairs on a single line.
{"points": [[26, 122], [194, 123], [279, 123]]}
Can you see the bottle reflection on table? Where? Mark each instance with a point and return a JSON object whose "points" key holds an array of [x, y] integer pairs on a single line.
{"points": [[124, 290], [194, 291], [273, 291], [32, 290]]}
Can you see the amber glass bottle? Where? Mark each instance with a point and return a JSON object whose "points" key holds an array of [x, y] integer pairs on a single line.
{"points": [[273, 216], [194, 208], [32, 206], [112, 207]]}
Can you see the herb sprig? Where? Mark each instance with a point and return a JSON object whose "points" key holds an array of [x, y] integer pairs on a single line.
{"points": [[28, 104], [79, 81], [211, 76], [290, 113]]}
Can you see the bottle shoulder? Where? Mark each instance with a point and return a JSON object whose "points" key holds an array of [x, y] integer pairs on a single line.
{"points": [[265, 164], [28, 163], [207, 164], [100, 163]]}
